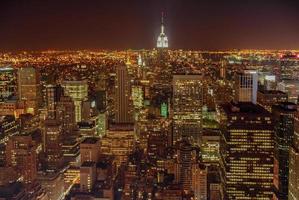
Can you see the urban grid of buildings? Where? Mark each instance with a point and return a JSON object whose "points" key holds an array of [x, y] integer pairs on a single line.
{"points": [[155, 124]]}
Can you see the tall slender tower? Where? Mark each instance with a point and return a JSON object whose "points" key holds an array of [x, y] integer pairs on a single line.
{"points": [[122, 92], [162, 41]]}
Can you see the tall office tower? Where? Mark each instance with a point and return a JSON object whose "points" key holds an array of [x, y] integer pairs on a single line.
{"points": [[269, 98], [78, 91], [65, 113], [21, 155], [247, 148], [246, 84], [89, 149], [123, 112], [29, 88], [284, 134], [222, 70], [162, 41], [53, 94], [8, 83], [53, 144], [187, 106], [294, 162]]}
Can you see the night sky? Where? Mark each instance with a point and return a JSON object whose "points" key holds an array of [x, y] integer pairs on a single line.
{"points": [[124, 24]]}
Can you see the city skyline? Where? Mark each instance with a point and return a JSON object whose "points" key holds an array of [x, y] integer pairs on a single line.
{"points": [[114, 25], [149, 100]]}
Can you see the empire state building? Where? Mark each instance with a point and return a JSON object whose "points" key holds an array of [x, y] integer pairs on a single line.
{"points": [[162, 41]]}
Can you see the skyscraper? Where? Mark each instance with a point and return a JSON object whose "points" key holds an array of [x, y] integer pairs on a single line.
{"points": [[123, 112], [8, 83], [187, 106], [284, 134], [29, 88], [293, 185], [162, 41], [53, 144], [78, 91], [53, 94], [246, 84], [247, 148]]}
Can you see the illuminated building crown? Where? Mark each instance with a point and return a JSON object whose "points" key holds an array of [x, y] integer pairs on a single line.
{"points": [[162, 41]]}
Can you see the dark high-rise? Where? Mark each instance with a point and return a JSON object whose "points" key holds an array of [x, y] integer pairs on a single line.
{"points": [[122, 94], [284, 134], [293, 192]]}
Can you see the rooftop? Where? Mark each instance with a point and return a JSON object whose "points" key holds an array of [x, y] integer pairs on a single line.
{"points": [[244, 108], [272, 92], [90, 140], [286, 106], [88, 164]]}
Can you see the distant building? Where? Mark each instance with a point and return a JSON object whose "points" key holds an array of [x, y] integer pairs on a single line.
{"points": [[246, 85], [53, 144], [8, 83], [53, 95], [291, 87], [65, 113], [29, 89]]}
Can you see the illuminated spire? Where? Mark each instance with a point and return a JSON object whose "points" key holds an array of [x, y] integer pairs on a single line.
{"points": [[162, 22], [162, 41]]}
